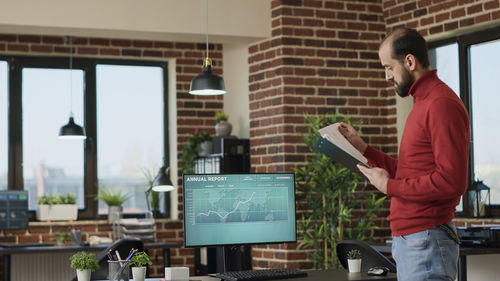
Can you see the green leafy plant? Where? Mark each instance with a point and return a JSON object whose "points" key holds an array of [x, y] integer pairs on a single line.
{"points": [[61, 237], [112, 197], [154, 197], [330, 192], [354, 254], [48, 199], [140, 259], [221, 116], [191, 151], [205, 136], [83, 260]]}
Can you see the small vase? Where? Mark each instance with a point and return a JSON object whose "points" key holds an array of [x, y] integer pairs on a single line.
{"points": [[114, 213], [223, 128], [139, 273], [83, 275], [354, 265], [206, 148]]}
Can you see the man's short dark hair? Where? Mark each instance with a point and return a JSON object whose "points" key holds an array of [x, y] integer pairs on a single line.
{"points": [[408, 41]]}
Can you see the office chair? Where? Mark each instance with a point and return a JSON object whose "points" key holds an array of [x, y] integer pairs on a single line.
{"points": [[370, 257], [123, 246]]}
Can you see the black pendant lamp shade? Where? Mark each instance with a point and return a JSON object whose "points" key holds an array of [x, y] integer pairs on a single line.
{"points": [[207, 83], [72, 130], [162, 182]]}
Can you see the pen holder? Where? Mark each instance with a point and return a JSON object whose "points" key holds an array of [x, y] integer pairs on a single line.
{"points": [[114, 268]]}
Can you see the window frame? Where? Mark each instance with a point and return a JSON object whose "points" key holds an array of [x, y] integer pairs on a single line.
{"points": [[88, 66], [465, 41]]}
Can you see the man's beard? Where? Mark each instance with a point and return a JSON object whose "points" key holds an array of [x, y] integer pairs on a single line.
{"points": [[403, 88]]}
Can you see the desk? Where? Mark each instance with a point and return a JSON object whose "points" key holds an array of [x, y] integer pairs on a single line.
{"points": [[5, 252], [462, 259], [312, 275]]}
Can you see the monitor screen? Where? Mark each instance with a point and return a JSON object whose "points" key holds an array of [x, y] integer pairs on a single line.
{"points": [[238, 209]]}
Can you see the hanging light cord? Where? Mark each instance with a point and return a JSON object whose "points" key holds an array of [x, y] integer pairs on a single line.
{"points": [[206, 26], [70, 40]]}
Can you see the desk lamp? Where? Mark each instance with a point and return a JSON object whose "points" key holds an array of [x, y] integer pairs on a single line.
{"points": [[161, 183]]}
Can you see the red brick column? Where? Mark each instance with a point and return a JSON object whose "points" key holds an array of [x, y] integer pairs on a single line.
{"points": [[322, 58]]}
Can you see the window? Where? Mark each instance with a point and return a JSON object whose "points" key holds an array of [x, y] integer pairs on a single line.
{"points": [[445, 60], [51, 165], [123, 107], [485, 99], [4, 117], [129, 129], [470, 63]]}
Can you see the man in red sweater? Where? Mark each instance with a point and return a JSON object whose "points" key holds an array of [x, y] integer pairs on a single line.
{"points": [[427, 180]]}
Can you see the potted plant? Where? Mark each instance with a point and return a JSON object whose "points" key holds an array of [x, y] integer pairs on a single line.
{"points": [[114, 199], [57, 207], [61, 237], [84, 263], [154, 197], [329, 190], [222, 126], [138, 262], [192, 150], [354, 260]]}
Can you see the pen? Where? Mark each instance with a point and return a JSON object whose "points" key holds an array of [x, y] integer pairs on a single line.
{"points": [[117, 274], [119, 258], [110, 256]]}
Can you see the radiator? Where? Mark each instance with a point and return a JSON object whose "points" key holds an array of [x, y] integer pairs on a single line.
{"points": [[41, 267]]}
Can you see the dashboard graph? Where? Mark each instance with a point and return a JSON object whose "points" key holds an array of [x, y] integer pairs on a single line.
{"points": [[230, 205], [237, 209]]}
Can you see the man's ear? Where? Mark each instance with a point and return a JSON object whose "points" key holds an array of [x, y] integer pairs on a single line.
{"points": [[410, 62]]}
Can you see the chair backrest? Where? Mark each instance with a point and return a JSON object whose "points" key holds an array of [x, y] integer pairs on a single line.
{"points": [[123, 246], [370, 257]]}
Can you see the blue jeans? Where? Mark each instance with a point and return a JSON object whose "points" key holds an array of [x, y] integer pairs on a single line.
{"points": [[427, 255]]}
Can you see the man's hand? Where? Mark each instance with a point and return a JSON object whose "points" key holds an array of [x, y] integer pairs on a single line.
{"points": [[378, 177], [352, 136]]}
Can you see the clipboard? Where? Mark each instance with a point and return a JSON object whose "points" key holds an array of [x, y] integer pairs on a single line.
{"points": [[339, 155]]}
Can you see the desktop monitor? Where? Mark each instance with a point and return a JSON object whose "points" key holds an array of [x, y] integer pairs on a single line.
{"points": [[14, 209], [238, 209]]}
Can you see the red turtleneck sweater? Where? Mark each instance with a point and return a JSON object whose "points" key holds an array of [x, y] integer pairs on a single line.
{"points": [[429, 177]]}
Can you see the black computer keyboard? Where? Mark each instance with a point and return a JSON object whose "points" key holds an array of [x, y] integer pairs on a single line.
{"points": [[264, 274]]}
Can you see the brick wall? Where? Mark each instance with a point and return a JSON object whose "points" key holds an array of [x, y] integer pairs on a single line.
{"points": [[440, 17], [322, 58], [194, 114]]}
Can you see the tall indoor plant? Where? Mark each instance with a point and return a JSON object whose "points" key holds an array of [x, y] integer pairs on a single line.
{"points": [[329, 192]]}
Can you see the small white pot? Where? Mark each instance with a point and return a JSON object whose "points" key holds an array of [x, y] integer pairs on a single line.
{"points": [[83, 275], [354, 265], [114, 213], [139, 273]]}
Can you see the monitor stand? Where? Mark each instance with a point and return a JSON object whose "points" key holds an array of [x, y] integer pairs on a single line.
{"points": [[233, 258]]}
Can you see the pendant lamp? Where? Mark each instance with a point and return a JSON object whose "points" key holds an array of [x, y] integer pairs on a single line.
{"points": [[161, 183], [71, 130], [207, 83]]}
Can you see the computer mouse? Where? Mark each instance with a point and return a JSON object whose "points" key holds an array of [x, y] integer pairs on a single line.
{"points": [[378, 271]]}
